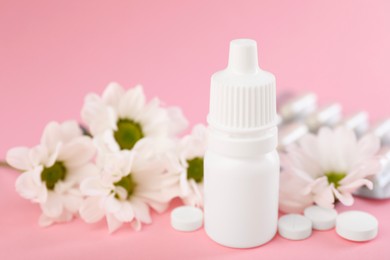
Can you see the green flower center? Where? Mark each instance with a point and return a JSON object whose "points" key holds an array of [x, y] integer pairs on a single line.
{"points": [[128, 133], [128, 184], [335, 178], [195, 169], [53, 174]]}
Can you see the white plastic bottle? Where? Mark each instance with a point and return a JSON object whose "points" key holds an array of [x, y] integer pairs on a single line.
{"points": [[241, 165]]}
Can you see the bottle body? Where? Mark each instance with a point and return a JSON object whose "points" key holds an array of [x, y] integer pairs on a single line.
{"points": [[241, 165], [241, 197]]}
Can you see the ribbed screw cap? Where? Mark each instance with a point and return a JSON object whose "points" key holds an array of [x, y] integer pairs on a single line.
{"points": [[242, 97]]}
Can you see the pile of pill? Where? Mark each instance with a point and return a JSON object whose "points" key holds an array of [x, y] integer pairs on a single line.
{"points": [[352, 225]]}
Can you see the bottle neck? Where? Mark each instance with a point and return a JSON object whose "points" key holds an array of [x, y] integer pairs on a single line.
{"points": [[244, 144]]}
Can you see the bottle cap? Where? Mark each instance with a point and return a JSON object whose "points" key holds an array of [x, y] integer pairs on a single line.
{"points": [[356, 226], [242, 97], [294, 227], [186, 218], [321, 218]]}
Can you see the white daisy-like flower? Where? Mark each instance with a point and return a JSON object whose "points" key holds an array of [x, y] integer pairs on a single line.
{"points": [[191, 150], [53, 170], [120, 118], [327, 167], [129, 183]]}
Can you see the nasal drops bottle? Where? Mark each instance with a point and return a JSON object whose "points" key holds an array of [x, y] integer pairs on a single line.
{"points": [[241, 164]]}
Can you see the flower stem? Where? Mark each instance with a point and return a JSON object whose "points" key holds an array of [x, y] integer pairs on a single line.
{"points": [[4, 164], [85, 130]]}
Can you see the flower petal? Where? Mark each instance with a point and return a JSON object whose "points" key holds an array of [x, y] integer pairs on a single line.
{"points": [[94, 187], [136, 225], [113, 223], [157, 206], [291, 197], [18, 158], [154, 119], [54, 156], [126, 213], [108, 142], [125, 162], [309, 145], [82, 173], [353, 186], [29, 186], [345, 153], [362, 170], [184, 185], [325, 198], [69, 130], [40, 155], [325, 138], [345, 197], [141, 211], [98, 116], [113, 94], [72, 203], [77, 152], [368, 146], [177, 121], [53, 207], [45, 221], [316, 185], [51, 136], [343, 149], [111, 204], [196, 187], [131, 103], [105, 143], [90, 210]]}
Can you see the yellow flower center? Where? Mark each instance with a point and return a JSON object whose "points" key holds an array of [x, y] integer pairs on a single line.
{"points": [[195, 169], [51, 175], [128, 184], [128, 133], [335, 178]]}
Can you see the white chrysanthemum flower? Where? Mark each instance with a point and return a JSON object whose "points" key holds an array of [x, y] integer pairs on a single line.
{"points": [[129, 183], [119, 118], [53, 170], [191, 152], [329, 166]]}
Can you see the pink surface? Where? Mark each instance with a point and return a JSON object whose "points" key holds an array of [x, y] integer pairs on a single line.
{"points": [[52, 53]]}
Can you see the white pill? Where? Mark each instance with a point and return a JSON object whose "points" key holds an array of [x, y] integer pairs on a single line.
{"points": [[382, 130], [357, 122], [326, 116], [321, 218], [299, 106], [186, 218], [290, 133], [356, 226], [294, 227]]}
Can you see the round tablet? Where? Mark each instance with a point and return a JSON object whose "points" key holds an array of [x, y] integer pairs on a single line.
{"points": [[321, 218], [186, 218], [356, 226], [294, 227]]}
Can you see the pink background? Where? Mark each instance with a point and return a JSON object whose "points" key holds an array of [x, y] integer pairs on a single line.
{"points": [[54, 52]]}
